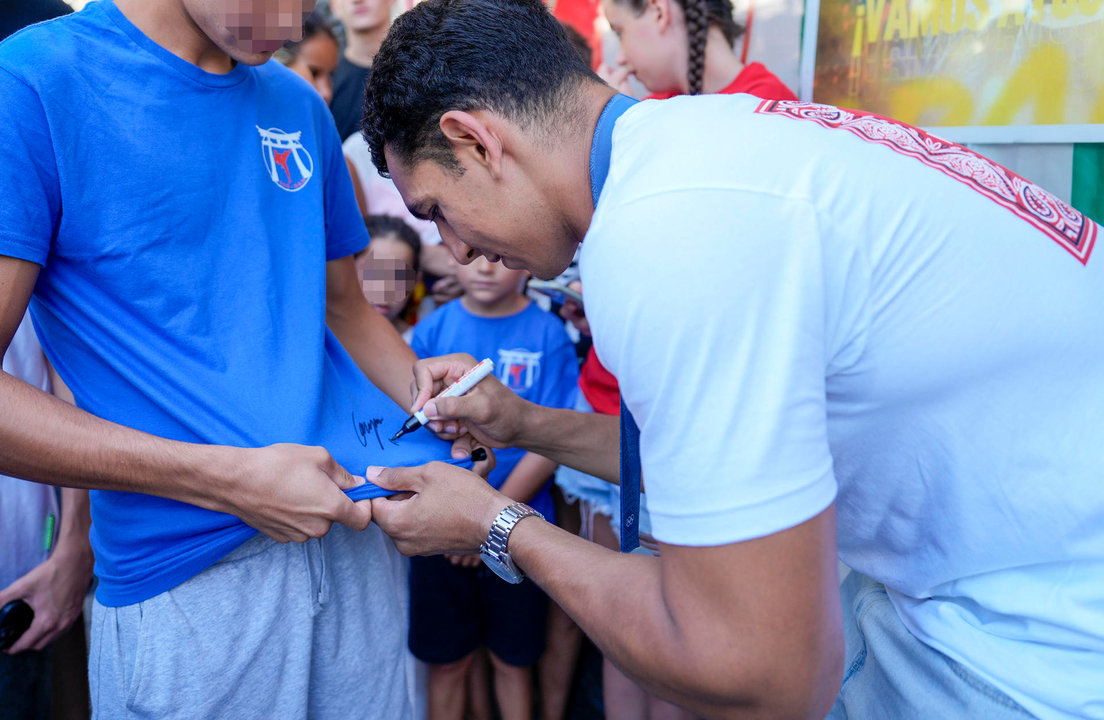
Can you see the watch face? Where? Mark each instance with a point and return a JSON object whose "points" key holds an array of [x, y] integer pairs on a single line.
{"points": [[505, 570]]}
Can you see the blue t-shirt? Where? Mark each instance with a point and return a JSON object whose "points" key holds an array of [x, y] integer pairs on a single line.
{"points": [[533, 356], [183, 221]]}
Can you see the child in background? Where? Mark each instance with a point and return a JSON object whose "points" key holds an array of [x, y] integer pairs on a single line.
{"points": [[655, 36], [456, 604], [314, 58], [390, 272]]}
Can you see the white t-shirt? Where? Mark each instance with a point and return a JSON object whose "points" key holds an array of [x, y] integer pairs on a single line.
{"points": [[25, 506], [794, 300]]}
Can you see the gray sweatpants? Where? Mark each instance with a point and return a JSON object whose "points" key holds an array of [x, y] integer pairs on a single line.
{"points": [[274, 632]]}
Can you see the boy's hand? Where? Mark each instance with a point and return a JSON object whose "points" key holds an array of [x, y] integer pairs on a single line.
{"points": [[573, 312], [465, 561], [55, 590], [292, 492]]}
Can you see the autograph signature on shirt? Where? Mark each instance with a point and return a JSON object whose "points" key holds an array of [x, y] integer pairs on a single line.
{"points": [[366, 428]]}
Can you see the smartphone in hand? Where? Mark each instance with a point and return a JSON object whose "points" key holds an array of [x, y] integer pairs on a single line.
{"points": [[557, 291], [15, 618]]}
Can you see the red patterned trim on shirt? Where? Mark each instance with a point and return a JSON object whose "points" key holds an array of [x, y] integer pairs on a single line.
{"points": [[1065, 225]]}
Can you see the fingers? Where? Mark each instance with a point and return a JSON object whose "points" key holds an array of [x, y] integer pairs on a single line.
{"points": [[388, 513], [484, 467], [398, 479], [433, 375], [358, 515], [463, 446], [40, 634], [454, 409], [343, 478]]}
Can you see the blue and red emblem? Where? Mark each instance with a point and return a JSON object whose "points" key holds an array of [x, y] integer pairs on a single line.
{"points": [[288, 163]]}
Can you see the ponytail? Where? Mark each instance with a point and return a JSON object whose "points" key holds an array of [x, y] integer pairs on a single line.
{"points": [[697, 29], [700, 15]]}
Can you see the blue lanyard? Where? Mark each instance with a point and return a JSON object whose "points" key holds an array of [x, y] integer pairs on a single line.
{"points": [[600, 150]]}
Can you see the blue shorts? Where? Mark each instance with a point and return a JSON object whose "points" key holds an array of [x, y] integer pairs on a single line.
{"points": [[456, 610]]}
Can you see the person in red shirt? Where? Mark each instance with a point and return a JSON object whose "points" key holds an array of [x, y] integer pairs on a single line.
{"points": [[656, 36]]}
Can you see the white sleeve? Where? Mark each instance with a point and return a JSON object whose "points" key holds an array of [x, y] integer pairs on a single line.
{"points": [[709, 308]]}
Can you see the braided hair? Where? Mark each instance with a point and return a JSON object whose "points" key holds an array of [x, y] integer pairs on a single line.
{"points": [[700, 15], [697, 28]]}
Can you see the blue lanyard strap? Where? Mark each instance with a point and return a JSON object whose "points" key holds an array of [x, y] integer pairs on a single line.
{"points": [[602, 146], [600, 150]]}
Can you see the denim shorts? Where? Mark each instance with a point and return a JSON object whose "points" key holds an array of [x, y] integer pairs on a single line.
{"points": [[890, 675]]}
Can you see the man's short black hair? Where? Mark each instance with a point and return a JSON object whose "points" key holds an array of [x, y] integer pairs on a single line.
{"points": [[509, 56]]}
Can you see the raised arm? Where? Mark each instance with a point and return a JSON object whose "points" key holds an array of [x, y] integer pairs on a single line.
{"points": [[289, 492]]}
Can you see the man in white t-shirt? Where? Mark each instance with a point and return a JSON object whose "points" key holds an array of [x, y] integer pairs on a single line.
{"points": [[833, 330]]}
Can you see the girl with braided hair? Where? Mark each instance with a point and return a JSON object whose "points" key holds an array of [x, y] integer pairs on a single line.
{"points": [[677, 47]]}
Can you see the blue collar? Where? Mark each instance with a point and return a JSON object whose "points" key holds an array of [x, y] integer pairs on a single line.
{"points": [[602, 146]]}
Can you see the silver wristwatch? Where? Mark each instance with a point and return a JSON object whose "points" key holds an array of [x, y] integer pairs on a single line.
{"points": [[493, 550]]}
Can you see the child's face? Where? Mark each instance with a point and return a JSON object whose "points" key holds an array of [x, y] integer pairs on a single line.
{"points": [[386, 275], [490, 286], [652, 44], [249, 31], [318, 56]]}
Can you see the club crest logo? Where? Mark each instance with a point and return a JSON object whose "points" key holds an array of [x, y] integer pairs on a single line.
{"points": [[518, 369], [288, 163]]}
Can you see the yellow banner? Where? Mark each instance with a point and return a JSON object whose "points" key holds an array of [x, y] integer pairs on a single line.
{"points": [[964, 63]]}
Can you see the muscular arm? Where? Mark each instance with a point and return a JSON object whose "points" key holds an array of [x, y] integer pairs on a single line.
{"points": [[743, 630], [374, 344], [289, 492], [749, 629]]}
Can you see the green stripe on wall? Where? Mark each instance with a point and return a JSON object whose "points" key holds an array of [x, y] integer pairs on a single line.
{"points": [[1087, 186]]}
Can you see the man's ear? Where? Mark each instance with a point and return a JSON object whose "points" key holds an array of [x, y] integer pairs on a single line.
{"points": [[474, 139]]}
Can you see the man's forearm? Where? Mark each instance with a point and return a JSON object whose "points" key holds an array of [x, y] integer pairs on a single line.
{"points": [[619, 603], [745, 630], [589, 442]]}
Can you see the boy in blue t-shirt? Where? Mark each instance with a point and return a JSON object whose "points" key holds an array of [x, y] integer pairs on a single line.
{"points": [[178, 213], [456, 604]]}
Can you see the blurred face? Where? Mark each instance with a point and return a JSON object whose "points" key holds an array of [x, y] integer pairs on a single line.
{"points": [[362, 15], [249, 31], [490, 286], [506, 218], [387, 275], [318, 58], [649, 44]]}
